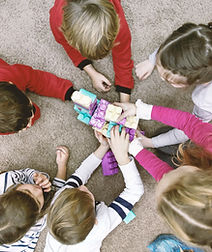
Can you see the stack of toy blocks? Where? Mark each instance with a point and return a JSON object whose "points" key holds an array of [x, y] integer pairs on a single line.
{"points": [[103, 117]]}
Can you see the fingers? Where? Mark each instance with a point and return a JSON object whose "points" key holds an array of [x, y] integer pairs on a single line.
{"points": [[63, 149], [41, 180], [122, 116]]}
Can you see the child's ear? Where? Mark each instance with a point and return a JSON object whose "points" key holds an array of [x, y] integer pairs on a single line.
{"points": [[96, 221]]}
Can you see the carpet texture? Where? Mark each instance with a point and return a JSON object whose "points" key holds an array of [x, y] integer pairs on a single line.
{"points": [[25, 38]]}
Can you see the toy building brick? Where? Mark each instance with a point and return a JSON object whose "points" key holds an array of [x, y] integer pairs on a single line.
{"points": [[103, 117]]}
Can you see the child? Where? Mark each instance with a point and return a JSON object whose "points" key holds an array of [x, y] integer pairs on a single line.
{"points": [[17, 111], [76, 222], [22, 204], [89, 29], [184, 194], [185, 58]]}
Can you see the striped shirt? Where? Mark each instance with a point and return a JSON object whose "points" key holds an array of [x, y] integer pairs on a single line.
{"points": [[108, 217], [25, 176]]}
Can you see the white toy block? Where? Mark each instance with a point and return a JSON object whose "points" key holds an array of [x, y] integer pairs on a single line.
{"points": [[112, 113], [81, 99], [131, 122]]}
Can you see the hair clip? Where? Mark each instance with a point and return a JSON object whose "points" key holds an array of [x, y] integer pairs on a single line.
{"points": [[210, 25]]}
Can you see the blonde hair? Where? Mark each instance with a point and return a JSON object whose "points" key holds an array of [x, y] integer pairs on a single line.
{"points": [[90, 26], [187, 207], [19, 211], [72, 216]]}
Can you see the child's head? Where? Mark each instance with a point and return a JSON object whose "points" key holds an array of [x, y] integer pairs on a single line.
{"points": [[15, 108], [20, 209], [184, 199], [72, 216], [90, 26], [185, 58]]}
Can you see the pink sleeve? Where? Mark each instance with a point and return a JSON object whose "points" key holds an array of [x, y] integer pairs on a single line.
{"points": [[155, 167], [199, 132]]}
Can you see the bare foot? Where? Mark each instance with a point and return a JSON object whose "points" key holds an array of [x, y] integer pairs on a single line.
{"points": [[62, 156]]}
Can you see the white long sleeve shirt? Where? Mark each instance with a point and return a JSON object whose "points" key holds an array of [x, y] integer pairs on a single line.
{"points": [[202, 99], [108, 217], [25, 176]]}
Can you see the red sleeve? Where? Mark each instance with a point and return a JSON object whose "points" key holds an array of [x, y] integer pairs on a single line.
{"points": [[39, 82], [121, 52], [56, 16], [155, 167], [199, 132]]}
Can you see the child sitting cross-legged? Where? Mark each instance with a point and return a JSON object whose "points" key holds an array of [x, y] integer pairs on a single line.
{"points": [[24, 200], [75, 221]]}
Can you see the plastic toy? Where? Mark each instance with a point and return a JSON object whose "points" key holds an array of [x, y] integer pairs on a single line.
{"points": [[103, 117], [109, 164]]}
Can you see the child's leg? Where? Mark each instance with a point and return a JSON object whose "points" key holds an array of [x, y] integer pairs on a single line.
{"points": [[62, 155]]}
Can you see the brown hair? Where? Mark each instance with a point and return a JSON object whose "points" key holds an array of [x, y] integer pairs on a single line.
{"points": [[72, 216], [194, 155], [15, 108], [188, 52], [90, 26], [19, 211]]}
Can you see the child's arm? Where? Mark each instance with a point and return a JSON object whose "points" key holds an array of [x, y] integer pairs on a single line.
{"points": [[155, 167], [144, 69], [25, 176], [133, 190], [40, 82], [62, 155], [89, 165], [198, 131]]}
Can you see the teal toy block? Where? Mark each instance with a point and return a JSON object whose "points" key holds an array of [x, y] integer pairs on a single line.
{"points": [[110, 126], [89, 94], [84, 117], [129, 217]]}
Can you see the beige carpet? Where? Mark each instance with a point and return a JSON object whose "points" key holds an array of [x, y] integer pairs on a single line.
{"points": [[25, 37]]}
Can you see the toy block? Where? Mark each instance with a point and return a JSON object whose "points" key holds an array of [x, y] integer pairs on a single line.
{"points": [[112, 113], [131, 122], [103, 130], [109, 164], [84, 117], [129, 217], [98, 118], [110, 126], [131, 133], [81, 99]]}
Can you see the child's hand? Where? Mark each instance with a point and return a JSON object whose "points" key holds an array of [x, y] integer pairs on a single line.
{"points": [[145, 141], [128, 108], [102, 139], [119, 144], [100, 82], [62, 155], [41, 180], [144, 69]]}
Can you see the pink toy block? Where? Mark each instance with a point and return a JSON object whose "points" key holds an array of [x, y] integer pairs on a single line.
{"points": [[109, 164], [98, 118]]}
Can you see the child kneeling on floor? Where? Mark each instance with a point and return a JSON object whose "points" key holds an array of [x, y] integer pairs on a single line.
{"points": [[76, 221]]}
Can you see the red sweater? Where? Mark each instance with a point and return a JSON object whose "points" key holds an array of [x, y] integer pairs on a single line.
{"points": [[198, 131], [121, 53], [39, 82]]}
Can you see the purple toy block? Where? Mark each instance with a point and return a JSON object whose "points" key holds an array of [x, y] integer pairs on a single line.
{"points": [[98, 118], [109, 164], [131, 133]]}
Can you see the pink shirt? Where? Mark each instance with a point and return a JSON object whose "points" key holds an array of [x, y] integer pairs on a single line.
{"points": [[199, 132]]}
